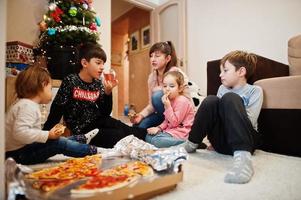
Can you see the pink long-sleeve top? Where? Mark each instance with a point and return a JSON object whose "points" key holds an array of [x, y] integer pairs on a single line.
{"points": [[178, 117], [154, 85]]}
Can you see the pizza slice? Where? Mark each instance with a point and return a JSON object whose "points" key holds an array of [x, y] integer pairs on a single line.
{"points": [[114, 178], [73, 169], [103, 183]]}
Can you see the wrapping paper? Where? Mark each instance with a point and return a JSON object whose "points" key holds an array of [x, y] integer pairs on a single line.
{"points": [[164, 159]]}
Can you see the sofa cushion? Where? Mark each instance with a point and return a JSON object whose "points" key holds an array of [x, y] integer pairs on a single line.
{"points": [[265, 68]]}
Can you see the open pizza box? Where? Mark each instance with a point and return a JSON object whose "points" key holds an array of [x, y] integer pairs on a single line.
{"points": [[143, 188], [145, 171]]}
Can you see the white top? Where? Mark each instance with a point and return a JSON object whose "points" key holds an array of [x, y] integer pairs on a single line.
{"points": [[23, 125]]}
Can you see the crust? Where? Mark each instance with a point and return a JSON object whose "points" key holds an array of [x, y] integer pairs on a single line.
{"points": [[84, 192]]}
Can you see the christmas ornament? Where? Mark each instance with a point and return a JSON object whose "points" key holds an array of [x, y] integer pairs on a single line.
{"points": [[97, 20], [56, 15], [51, 31], [52, 6], [73, 11], [93, 27], [43, 26], [85, 6]]}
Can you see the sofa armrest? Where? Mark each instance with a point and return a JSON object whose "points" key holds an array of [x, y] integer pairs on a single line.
{"points": [[281, 92]]}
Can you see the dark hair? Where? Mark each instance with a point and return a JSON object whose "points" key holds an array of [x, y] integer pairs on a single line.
{"points": [[31, 81], [91, 50], [178, 76], [241, 59], [166, 48]]}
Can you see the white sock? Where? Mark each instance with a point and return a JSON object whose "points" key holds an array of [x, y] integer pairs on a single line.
{"points": [[90, 135], [108, 152], [242, 170], [190, 147]]}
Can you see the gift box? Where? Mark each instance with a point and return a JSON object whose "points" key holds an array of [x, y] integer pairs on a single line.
{"points": [[19, 52]]}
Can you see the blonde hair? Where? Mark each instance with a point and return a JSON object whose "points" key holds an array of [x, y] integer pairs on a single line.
{"points": [[31, 81], [179, 77], [241, 59]]}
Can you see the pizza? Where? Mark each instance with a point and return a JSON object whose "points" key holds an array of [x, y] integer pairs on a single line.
{"points": [[114, 178], [66, 172], [60, 128], [103, 183], [50, 185], [134, 168]]}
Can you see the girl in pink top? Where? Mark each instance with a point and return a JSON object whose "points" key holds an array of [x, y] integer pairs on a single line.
{"points": [[179, 113], [162, 59]]}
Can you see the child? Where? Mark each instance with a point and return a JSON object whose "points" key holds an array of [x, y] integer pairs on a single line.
{"points": [[230, 119], [179, 113], [85, 101], [162, 59], [25, 141]]}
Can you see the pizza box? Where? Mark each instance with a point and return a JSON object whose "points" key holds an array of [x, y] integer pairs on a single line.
{"points": [[144, 188]]}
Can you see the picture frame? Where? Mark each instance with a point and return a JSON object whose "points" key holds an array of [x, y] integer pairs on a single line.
{"points": [[145, 37], [134, 42]]}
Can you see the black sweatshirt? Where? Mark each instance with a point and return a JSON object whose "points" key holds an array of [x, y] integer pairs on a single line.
{"points": [[80, 103]]}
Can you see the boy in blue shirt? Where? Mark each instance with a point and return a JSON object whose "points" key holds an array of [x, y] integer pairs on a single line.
{"points": [[229, 120]]}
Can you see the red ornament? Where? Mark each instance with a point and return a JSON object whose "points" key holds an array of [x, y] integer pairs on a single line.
{"points": [[93, 26], [56, 14]]}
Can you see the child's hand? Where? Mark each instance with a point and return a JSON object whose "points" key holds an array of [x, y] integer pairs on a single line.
{"points": [[165, 100], [56, 131], [153, 130], [109, 85], [136, 119]]}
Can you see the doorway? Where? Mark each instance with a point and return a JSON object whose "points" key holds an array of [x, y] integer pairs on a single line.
{"points": [[129, 56]]}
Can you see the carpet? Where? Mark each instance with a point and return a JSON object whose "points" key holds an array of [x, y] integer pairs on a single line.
{"points": [[277, 177]]}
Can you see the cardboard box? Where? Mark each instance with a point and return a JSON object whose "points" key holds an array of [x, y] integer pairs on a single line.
{"points": [[143, 188], [19, 52]]}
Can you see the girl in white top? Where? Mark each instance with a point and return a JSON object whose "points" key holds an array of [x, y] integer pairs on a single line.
{"points": [[25, 141], [162, 59]]}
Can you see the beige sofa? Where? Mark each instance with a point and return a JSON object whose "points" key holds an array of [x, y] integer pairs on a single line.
{"points": [[281, 114]]}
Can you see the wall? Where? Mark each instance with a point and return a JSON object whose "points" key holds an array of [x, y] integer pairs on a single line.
{"points": [[119, 8], [3, 13], [21, 25], [216, 27]]}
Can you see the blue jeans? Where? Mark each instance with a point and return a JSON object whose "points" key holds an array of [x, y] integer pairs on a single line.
{"points": [[163, 139], [40, 152], [157, 117]]}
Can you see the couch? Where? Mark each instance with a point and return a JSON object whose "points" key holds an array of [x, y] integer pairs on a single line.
{"points": [[280, 119]]}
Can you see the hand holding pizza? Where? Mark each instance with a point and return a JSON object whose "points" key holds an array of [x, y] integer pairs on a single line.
{"points": [[165, 100], [56, 131]]}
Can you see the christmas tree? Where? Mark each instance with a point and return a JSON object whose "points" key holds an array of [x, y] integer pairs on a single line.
{"points": [[66, 25]]}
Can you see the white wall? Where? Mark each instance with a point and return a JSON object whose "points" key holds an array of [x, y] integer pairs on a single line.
{"points": [[215, 27], [103, 9], [23, 19], [2, 92]]}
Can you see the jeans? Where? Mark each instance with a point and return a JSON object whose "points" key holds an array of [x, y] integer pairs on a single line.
{"points": [[157, 117], [163, 139], [40, 152]]}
